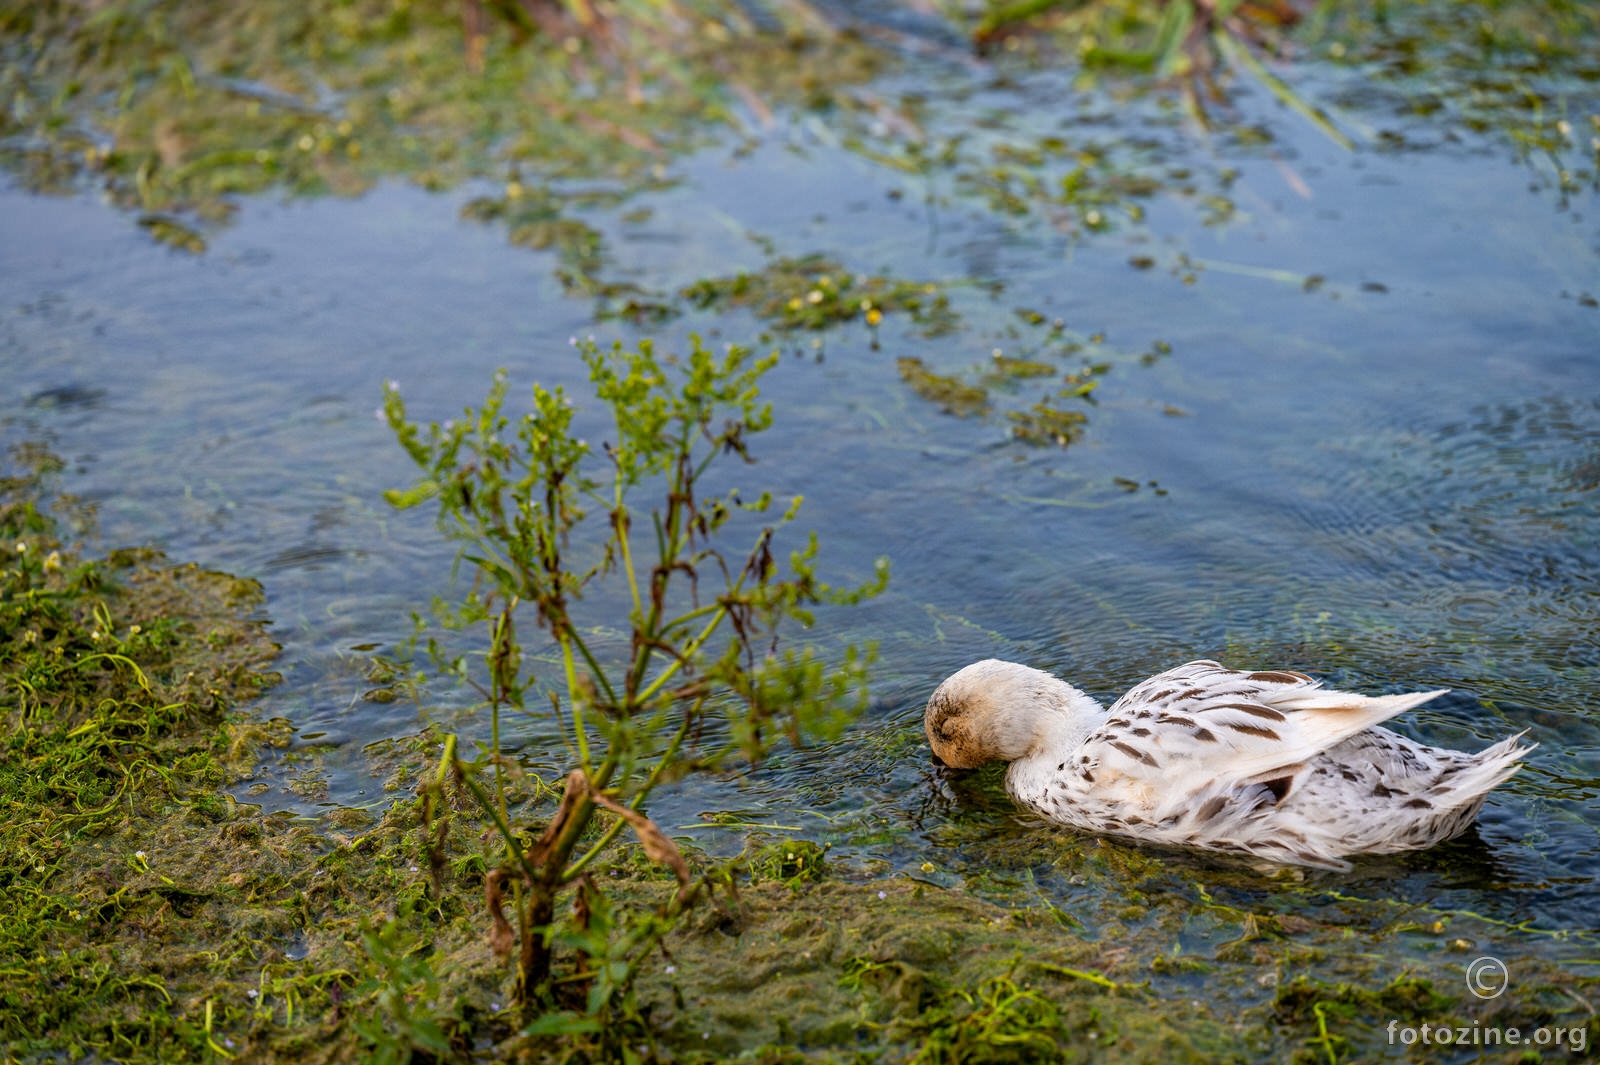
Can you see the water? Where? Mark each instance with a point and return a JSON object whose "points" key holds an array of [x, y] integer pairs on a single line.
{"points": [[1373, 451]]}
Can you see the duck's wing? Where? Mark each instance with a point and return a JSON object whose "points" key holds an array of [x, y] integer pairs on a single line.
{"points": [[1203, 729]]}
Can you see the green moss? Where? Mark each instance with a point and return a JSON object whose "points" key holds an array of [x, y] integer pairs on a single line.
{"points": [[1001, 379], [1045, 423], [1406, 998], [1333, 1019], [814, 293], [790, 862], [175, 113], [1004, 367], [116, 743], [951, 393]]}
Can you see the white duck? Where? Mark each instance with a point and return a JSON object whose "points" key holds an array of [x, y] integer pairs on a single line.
{"points": [[1265, 763]]}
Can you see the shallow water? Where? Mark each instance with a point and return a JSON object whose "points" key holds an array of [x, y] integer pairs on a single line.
{"points": [[1389, 476]]}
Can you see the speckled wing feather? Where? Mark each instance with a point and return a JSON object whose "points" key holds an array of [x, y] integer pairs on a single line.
{"points": [[1201, 729]]}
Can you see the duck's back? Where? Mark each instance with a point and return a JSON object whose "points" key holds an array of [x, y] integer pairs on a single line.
{"points": [[1267, 763]]}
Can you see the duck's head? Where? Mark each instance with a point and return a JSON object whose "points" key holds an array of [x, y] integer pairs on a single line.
{"points": [[1001, 710]]}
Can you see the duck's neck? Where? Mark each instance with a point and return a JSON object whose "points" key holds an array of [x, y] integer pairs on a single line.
{"points": [[1061, 723], [1064, 721]]}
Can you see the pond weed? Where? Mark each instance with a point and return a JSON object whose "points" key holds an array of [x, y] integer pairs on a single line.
{"points": [[113, 686], [814, 292], [952, 394], [175, 114]]}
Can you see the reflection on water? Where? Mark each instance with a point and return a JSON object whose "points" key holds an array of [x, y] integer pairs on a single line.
{"points": [[1388, 478]]}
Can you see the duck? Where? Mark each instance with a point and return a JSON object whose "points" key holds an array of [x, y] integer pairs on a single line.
{"points": [[1264, 763]]}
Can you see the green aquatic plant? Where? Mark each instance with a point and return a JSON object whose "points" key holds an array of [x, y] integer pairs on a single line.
{"points": [[533, 219], [1321, 1011], [550, 526], [995, 1020], [1518, 69], [1474, 66], [1046, 423], [813, 292], [954, 395], [576, 22], [1007, 368], [1184, 40], [175, 114], [114, 676], [407, 992], [1052, 419], [793, 862]]}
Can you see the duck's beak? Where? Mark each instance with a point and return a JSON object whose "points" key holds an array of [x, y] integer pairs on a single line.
{"points": [[937, 761]]}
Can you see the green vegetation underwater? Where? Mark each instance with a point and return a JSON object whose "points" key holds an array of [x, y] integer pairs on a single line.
{"points": [[489, 487]]}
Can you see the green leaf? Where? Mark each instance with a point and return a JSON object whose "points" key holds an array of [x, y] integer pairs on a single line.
{"points": [[1176, 20], [504, 577], [1235, 52], [420, 492], [1020, 11], [564, 1022]]}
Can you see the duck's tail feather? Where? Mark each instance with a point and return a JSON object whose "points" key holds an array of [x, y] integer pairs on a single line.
{"points": [[1452, 803], [1488, 769]]}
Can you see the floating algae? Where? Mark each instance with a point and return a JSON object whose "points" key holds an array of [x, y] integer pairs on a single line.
{"points": [[1045, 423], [951, 393], [814, 292]]}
